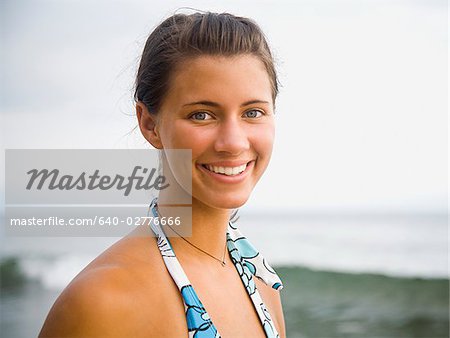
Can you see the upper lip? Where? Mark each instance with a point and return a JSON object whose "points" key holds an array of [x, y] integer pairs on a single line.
{"points": [[228, 163]]}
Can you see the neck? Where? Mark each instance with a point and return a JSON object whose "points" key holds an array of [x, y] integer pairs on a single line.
{"points": [[209, 228]]}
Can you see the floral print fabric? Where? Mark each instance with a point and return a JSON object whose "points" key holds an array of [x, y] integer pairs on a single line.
{"points": [[248, 262]]}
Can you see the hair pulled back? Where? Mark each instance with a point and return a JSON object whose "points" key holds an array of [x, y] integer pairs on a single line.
{"points": [[185, 36]]}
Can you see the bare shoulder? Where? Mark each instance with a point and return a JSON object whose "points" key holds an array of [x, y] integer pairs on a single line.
{"points": [[272, 299], [119, 294], [92, 305]]}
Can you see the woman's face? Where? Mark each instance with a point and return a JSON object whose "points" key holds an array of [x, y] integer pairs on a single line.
{"points": [[221, 108]]}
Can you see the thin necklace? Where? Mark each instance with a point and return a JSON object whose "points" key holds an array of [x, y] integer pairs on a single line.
{"points": [[222, 261]]}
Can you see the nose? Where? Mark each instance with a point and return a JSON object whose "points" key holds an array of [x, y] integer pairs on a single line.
{"points": [[232, 137]]}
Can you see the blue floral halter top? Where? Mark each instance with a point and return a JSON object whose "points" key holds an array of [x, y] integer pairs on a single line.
{"points": [[248, 262]]}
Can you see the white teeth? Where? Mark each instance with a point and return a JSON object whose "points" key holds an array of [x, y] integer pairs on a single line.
{"points": [[229, 171]]}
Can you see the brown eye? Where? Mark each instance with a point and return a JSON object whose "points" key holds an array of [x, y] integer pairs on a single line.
{"points": [[253, 113]]}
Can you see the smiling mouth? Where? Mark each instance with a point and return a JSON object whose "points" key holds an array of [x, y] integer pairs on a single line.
{"points": [[226, 171]]}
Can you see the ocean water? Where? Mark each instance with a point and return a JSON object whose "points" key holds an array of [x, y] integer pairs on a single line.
{"points": [[344, 276], [330, 304]]}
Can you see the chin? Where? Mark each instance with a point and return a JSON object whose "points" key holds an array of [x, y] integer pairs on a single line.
{"points": [[225, 201], [233, 204]]}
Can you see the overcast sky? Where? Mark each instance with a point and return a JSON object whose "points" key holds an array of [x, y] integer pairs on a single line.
{"points": [[361, 117]]}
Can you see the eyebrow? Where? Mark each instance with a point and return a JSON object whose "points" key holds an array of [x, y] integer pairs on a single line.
{"points": [[215, 104]]}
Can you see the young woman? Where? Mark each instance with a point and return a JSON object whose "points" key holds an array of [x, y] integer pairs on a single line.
{"points": [[206, 82]]}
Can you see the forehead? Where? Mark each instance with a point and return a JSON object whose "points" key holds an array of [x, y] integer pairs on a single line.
{"points": [[226, 80]]}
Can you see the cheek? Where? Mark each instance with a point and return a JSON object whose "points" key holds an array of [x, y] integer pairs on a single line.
{"points": [[263, 140], [186, 137], [176, 135]]}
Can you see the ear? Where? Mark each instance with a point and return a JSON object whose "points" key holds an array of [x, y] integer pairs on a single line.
{"points": [[148, 124]]}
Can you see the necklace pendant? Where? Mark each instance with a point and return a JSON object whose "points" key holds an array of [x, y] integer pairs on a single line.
{"points": [[223, 263]]}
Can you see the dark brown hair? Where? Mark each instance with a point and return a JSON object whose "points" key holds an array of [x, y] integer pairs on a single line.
{"points": [[183, 36]]}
